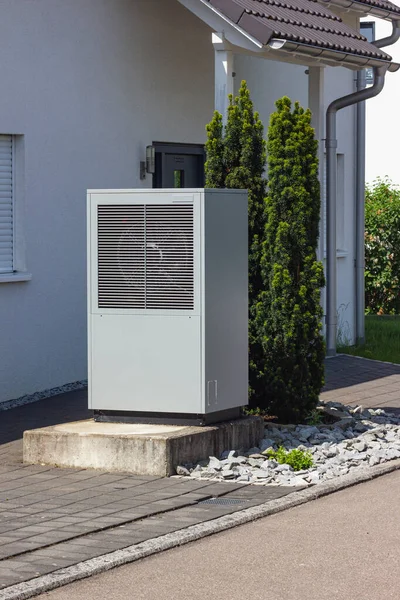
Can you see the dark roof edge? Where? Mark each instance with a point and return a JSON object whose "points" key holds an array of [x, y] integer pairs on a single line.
{"points": [[249, 26], [333, 56], [364, 8]]}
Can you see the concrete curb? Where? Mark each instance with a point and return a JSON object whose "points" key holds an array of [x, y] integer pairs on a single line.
{"points": [[98, 565], [374, 360]]}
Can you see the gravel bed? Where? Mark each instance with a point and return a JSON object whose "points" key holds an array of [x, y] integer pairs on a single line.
{"points": [[359, 438]]}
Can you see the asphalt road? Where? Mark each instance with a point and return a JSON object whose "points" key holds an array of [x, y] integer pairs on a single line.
{"points": [[345, 546]]}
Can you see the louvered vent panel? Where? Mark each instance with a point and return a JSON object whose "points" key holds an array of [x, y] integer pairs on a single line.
{"points": [[146, 257], [169, 257], [121, 256], [6, 204]]}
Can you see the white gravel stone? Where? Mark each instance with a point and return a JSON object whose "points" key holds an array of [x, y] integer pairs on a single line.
{"points": [[253, 451], [255, 462], [360, 446], [215, 463], [313, 477], [182, 471], [306, 432], [370, 437], [266, 444], [284, 467]]}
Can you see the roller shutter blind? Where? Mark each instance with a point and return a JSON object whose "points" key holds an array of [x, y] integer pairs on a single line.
{"points": [[6, 204]]}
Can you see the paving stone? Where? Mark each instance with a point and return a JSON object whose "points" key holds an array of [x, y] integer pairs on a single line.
{"points": [[48, 502], [15, 548]]}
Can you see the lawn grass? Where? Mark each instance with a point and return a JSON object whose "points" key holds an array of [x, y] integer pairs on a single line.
{"points": [[382, 336]]}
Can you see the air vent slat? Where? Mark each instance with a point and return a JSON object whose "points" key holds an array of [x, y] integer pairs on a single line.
{"points": [[146, 256]]}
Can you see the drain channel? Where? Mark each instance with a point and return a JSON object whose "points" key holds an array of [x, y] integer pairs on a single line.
{"points": [[223, 501]]}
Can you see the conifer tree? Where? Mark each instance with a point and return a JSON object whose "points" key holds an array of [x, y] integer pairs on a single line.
{"points": [[236, 157], [289, 313], [286, 348]]}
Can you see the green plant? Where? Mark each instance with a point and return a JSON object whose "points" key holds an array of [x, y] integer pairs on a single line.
{"points": [[297, 459], [236, 158], [253, 412], [382, 335], [314, 418], [382, 248], [288, 311], [343, 329]]}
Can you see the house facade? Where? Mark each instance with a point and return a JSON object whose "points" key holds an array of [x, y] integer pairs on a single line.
{"points": [[87, 85]]}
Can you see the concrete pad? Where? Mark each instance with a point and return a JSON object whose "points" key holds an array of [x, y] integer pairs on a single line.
{"points": [[136, 448], [98, 428]]}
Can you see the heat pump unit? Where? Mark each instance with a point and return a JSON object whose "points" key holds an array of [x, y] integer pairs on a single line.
{"points": [[167, 298]]}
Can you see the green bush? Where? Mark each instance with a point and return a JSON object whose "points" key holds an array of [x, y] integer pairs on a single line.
{"points": [[236, 157], [289, 313], [382, 248], [286, 348], [297, 459]]}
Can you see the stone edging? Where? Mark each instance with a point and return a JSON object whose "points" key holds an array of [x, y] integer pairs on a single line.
{"points": [[95, 566], [29, 398], [374, 360]]}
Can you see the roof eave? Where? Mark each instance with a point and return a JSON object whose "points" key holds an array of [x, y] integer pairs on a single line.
{"points": [[218, 22], [295, 52], [364, 9], [336, 57]]}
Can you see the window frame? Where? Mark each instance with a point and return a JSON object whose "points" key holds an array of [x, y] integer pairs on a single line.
{"points": [[19, 271]]}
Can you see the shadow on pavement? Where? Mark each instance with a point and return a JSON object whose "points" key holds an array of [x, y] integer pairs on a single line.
{"points": [[345, 371], [71, 406]]}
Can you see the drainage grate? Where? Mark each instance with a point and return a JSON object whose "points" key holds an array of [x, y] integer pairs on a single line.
{"points": [[223, 501]]}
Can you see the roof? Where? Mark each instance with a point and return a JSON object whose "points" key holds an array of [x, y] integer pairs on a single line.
{"points": [[302, 22], [382, 5], [380, 8]]}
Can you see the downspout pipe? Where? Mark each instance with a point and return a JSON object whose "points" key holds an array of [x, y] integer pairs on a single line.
{"points": [[390, 39], [360, 194], [359, 212], [331, 175]]}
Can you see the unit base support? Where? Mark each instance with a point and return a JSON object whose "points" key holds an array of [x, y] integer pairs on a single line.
{"points": [[136, 448], [119, 416]]}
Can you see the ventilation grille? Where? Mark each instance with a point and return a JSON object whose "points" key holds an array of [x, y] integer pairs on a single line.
{"points": [[146, 256], [223, 501]]}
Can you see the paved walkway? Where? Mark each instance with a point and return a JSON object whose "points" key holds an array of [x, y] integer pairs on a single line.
{"points": [[52, 518], [342, 547], [355, 381]]}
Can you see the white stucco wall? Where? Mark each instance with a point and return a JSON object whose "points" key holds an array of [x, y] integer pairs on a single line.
{"points": [[88, 83], [340, 82], [383, 126], [270, 80]]}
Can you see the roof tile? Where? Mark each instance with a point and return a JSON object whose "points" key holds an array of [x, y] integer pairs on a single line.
{"points": [[301, 21], [382, 5]]}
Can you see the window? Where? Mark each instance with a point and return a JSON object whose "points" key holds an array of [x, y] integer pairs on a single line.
{"points": [[12, 253], [367, 28], [6, 204]]}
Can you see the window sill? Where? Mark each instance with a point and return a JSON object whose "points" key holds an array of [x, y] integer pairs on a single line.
{"points": [[15, 277]]}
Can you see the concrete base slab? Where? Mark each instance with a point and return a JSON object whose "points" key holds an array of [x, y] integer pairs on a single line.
{"points": [[136, 448]]}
